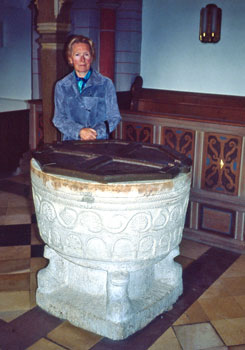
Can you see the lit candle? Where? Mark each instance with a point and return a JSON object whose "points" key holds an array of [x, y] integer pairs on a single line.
{"points": [[204, 21], [214, 20]]}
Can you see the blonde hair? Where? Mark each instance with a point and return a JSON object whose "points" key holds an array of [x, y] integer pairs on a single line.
{"points": [[76, 40]]}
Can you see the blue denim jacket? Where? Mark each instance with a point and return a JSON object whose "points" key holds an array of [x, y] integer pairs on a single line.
{"points": [[96, 104]]}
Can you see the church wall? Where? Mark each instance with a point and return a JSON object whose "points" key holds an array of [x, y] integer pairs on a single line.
{"points": [[15, 54], [173, 58]]}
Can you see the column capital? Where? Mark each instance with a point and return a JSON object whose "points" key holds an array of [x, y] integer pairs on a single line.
{"points": [[53, 27]]}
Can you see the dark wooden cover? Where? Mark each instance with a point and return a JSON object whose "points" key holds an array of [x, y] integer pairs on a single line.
{"points": [[111, 160]]}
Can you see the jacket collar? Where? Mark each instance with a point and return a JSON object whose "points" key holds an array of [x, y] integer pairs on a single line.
{"points": [[95, 79]]}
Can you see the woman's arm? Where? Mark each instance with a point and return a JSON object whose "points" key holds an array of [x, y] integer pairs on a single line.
{"points": [[112, 110], [62, 117], [112, 116]]}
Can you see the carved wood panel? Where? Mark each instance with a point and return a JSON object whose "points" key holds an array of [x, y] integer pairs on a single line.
{"points": [[137, 132], [181, 140], [221, 163]]}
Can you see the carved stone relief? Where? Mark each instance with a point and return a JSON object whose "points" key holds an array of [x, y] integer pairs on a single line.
{"points": [[101, 239]]}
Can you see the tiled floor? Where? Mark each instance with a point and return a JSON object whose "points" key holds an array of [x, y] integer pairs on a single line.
{"points": [[209, 315]]}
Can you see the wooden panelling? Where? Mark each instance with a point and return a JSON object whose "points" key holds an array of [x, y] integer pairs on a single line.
{"points": [[221, 163], [217, 220], [190, 104], [14, 138], [137, 132], [181, 140], [210, 129], [124, 99]]}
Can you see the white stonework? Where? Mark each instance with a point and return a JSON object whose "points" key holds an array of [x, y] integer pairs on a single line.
{"points": [[111, 249]]}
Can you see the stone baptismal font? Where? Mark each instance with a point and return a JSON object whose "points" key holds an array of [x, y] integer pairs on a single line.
{"points": [[111, 214]]}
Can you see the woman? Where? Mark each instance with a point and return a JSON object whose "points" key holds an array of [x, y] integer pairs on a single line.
{"points": [[85, 101]]}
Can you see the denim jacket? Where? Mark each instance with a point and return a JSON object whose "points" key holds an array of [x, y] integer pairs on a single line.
{"points": [[96, 105]]}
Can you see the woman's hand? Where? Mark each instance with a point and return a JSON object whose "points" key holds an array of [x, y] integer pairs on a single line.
{"points": [[88, 134]]}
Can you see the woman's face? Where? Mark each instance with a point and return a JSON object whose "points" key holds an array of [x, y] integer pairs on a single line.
{"points": [[81, 58]]}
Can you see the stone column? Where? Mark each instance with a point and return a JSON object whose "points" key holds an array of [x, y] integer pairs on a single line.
{"points": [[53, 25], [107, 36], [118, 304]]}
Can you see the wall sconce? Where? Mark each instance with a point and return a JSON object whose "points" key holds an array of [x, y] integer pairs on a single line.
{"points": [[210, 24]]}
